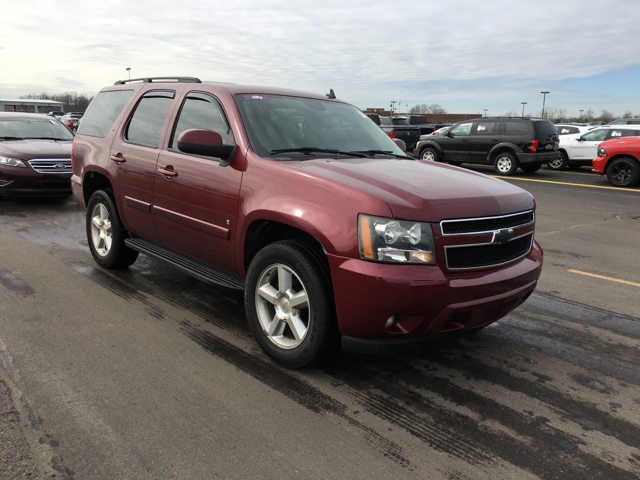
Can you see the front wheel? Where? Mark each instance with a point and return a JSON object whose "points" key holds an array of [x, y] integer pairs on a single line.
{"points": [[559, 163], [623, 172], [106, 234], [429, 154], [289, 304], [505, 164]]}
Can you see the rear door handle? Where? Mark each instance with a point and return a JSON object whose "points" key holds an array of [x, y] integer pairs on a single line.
{"points": [[118, 158], [168, 171]]}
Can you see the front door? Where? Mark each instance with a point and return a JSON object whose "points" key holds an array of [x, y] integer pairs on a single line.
{"points": [[456, 143], [586, 147], [485, 136], [196, 199]]}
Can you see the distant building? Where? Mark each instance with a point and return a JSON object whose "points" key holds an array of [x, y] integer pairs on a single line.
{"points": [[30, 106]]}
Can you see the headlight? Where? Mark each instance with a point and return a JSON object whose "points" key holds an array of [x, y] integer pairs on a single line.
{"points": [[602, 152], [11, 162], [396, 241]]}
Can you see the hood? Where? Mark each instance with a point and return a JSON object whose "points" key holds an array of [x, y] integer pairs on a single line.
{"points": [[30, 149], [414, 190]]}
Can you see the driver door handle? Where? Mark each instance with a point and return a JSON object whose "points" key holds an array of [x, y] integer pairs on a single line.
{"points": [[118, 158], [168, 171]]}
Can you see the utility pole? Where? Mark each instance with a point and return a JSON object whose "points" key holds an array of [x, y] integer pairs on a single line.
{"points": [[523, 104], [393, 106], [129, 70], [485, 112], [544, 97], [581, 115]]}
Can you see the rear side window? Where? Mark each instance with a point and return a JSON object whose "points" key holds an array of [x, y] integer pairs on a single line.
{"points": [[202, 111], [567, 130], [147, 122], [545, 130], [615, 132], [103, 112], [487, 128], [515, 127]]}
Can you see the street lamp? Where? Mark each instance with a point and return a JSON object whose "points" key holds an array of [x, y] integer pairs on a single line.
{"points": [[129, 70], [523, 104], [544, 97], [581, 115], [485, 112]]}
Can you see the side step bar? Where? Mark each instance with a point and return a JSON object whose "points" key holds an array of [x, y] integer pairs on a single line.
{"points": [[199, 270]]}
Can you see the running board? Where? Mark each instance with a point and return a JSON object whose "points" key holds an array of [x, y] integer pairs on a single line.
{"points": [[199, 270]]}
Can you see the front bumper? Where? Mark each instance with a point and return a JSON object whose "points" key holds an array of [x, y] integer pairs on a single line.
{"points": [[535, 158], [599, 164], [25, 182], [423, 300]]}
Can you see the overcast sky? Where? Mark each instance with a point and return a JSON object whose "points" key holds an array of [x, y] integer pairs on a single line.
{"points": [[466, 55]]}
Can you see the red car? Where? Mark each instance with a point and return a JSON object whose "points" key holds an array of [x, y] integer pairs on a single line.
{"points": [[619, 159], [35, 155], [300, 200]]}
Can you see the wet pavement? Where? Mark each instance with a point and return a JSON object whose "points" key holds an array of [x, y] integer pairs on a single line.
{"points": [[551, 391]]}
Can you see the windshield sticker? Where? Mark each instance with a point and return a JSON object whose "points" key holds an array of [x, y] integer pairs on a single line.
{"points": [[256, 97], [564, 130], [616, 134], [481, 128]]}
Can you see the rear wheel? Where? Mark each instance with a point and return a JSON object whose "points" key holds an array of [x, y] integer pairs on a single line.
{"points": [[530, 168], [505, 164], [623, 172], [559, 163], [289, 304], [429, 154], [106, 234]]}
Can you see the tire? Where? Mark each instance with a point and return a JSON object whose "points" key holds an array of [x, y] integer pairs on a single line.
{"points": [[531, 167], [505, 163], [281, 274], [624, 172], [106, 234], [559, 163], [429, 154]]}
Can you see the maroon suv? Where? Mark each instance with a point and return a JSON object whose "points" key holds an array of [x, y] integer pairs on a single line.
{"points": [[303, 202], [35, 155]]}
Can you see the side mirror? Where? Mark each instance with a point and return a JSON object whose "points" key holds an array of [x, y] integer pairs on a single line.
{"points": [[401, 144], [450, 134], [581, 139], [207, 143]]}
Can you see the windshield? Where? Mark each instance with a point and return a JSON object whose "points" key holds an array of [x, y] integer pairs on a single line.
{"points": [[276, 122], [31, 128]]}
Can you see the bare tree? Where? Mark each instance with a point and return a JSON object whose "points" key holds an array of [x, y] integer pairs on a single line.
{"points": [[606, 116], [421, 108], [510, 113], [560, 115], [627, 114], [436, 108], [72, 101], [588, 115]]}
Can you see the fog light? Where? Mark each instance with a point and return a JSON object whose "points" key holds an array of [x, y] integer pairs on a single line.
{"points": [[390, 322]]}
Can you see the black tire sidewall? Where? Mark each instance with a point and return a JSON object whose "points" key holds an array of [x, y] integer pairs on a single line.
{"points": [[514, 163], [119, 255], [635, 172], [317, 341]]}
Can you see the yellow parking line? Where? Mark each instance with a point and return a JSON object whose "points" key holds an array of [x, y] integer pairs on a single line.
{"points": [[606, 278], [566, 183]]}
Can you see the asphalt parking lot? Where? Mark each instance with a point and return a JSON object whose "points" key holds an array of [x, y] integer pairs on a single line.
{"points": [[148, 373]]}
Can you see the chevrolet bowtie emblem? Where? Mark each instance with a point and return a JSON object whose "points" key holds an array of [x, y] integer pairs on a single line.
{"points": [[502, 236]]}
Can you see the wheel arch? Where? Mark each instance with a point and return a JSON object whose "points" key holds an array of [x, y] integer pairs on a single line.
{"points": [[93, 181], [431, 144], [501, 148], [616, 157]]}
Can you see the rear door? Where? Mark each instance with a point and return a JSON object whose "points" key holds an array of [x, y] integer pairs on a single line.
{"points": [[195, 206], [484, 136]]}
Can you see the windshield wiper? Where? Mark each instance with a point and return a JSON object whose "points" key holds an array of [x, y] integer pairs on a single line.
{"points": [[382, 152], [312, 150], [50, 138], [11, 138]]}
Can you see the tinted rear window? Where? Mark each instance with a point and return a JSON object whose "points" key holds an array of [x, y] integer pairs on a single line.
{"points": [[147, 122], [545, 130], [103, 112]]}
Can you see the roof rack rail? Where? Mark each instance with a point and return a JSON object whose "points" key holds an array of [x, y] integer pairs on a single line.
{"points": [[152, 79]]}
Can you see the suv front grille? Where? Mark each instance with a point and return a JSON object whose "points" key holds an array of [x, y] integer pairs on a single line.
{"points": [[487, 255], [479, 225], [51, 165]]}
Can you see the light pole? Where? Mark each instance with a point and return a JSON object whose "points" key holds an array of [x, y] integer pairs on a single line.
{"points": [[523, 104], [393, 106], [544, 97], [581, 115], [129, 70], [485, 112]]}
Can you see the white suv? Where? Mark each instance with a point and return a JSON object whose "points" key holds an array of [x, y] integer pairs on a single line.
{"points": [[580, 149]]}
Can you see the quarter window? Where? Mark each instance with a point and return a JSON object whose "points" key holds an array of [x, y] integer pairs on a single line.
{"points": [[202, 111], [103, 113], [512, 127], [147, 122]]}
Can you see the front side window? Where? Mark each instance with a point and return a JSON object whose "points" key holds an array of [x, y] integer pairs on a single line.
{"points": [[202, 111], [103, 113], [595, 136], [146, 124], [276, 122], [462, 129], [487, 128]]}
